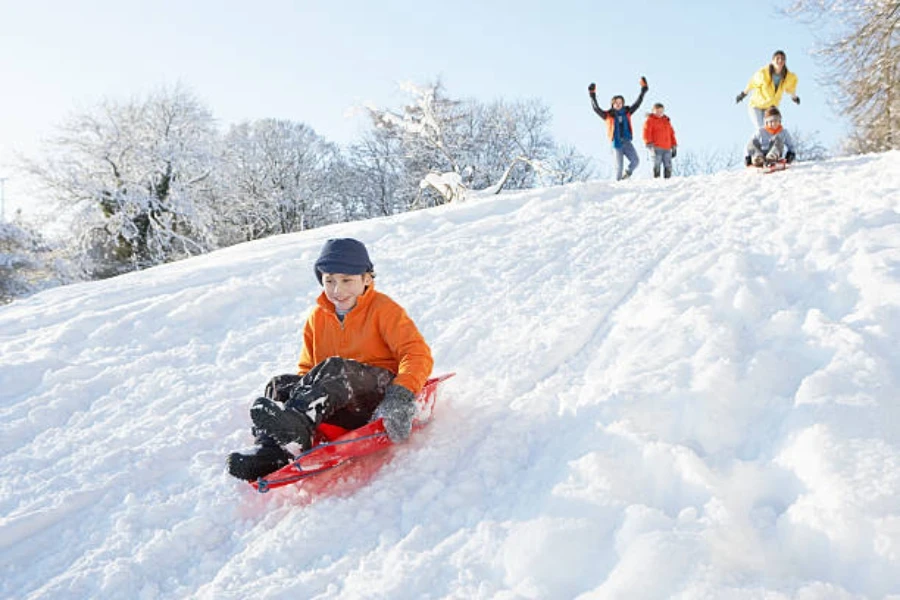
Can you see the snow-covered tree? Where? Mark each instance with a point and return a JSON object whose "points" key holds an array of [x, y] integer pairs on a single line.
{"points": [[859, 40], [568, 165], [376, 178], [277, 178], [135, 177], [27, 261], [467, 145]]}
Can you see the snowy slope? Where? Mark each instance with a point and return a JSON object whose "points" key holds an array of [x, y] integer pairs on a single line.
{"points": [[666, 389]]}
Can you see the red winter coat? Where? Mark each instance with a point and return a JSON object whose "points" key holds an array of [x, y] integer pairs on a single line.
{"points": [[658, 131]]}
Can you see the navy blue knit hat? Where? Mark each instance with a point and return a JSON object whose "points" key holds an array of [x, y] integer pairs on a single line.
{"points": [[343, 255]]}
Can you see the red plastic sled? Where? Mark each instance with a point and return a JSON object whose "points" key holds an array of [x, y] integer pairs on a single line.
{"points": [[336, 446], [778, 165]]}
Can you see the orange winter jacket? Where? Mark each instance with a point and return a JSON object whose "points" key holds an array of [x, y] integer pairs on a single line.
{"points": [[377, 332], [658, 131]]}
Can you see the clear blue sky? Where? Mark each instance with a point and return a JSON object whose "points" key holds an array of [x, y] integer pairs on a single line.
{"points": [[313, 61]]}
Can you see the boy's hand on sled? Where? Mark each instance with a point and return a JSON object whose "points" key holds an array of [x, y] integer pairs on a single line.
{"points": [[397, 411]]}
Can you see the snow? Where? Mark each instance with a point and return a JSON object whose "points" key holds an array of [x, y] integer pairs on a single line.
{"points": [[665, 389]]}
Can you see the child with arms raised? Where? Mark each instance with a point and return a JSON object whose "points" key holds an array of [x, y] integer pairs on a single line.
{"points": [[619, 130]]}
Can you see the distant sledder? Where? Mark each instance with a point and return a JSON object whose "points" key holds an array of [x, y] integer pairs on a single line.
{"points": [[771, 148]]}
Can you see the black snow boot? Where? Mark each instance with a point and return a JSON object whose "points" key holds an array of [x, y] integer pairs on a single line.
{"points": [[284, 425], [257, 463], [667, 173], [655, 172]]}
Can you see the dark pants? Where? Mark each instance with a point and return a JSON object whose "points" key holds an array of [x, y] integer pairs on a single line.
{"points": [[338, 390]]}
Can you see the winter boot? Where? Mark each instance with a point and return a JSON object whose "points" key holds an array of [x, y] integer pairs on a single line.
{"points": [[758, 160], [772, 157], [656, 172], [626, 174], [285, 425], [667, 173], [257, 463]]}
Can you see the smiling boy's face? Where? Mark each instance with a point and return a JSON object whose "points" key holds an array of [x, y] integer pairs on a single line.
{"points": [[618, 103], [343, 290], [659, 111]]}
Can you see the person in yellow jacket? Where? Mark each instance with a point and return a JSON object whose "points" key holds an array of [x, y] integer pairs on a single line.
{"points": [[362, 359], [768, 85]]}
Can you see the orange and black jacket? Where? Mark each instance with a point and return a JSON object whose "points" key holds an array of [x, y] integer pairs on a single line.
{"points": [[618, 122], [377, 332]]}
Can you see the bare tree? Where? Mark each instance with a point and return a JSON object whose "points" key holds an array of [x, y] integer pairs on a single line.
{"points": [[860, 42], [375, 175], [569, 166], [712, 161], [807, 146], [275, 178]]}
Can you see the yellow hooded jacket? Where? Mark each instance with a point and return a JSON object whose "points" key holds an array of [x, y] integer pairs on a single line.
{"points": [[763, 88]]}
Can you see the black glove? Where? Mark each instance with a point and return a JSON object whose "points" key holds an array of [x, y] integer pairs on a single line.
{"points": [[740, 97], [644, 86], [592, 89], [397, 410], [790, 156], [674, 151], [796, 99]]}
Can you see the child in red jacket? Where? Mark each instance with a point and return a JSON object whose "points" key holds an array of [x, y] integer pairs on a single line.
{"points": [[659, 136]]}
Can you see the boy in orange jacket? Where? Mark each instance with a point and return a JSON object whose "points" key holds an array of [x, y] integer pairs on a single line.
{"points": [[362, 359], [659, 137]]}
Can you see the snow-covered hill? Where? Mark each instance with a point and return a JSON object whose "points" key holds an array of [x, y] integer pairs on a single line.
{"points": [[666, 389]]}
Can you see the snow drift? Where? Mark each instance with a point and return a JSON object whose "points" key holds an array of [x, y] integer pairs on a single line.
{"points": [[666, 389]]}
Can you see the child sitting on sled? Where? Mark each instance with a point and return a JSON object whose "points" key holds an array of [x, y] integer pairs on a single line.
{"points": [[771, 143], [362, 359]]}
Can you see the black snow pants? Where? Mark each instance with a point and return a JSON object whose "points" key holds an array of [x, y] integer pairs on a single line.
{"points": [[338, 391]]}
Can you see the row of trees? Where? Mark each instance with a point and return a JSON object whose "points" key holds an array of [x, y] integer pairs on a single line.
{"points": [[152, 180]]}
